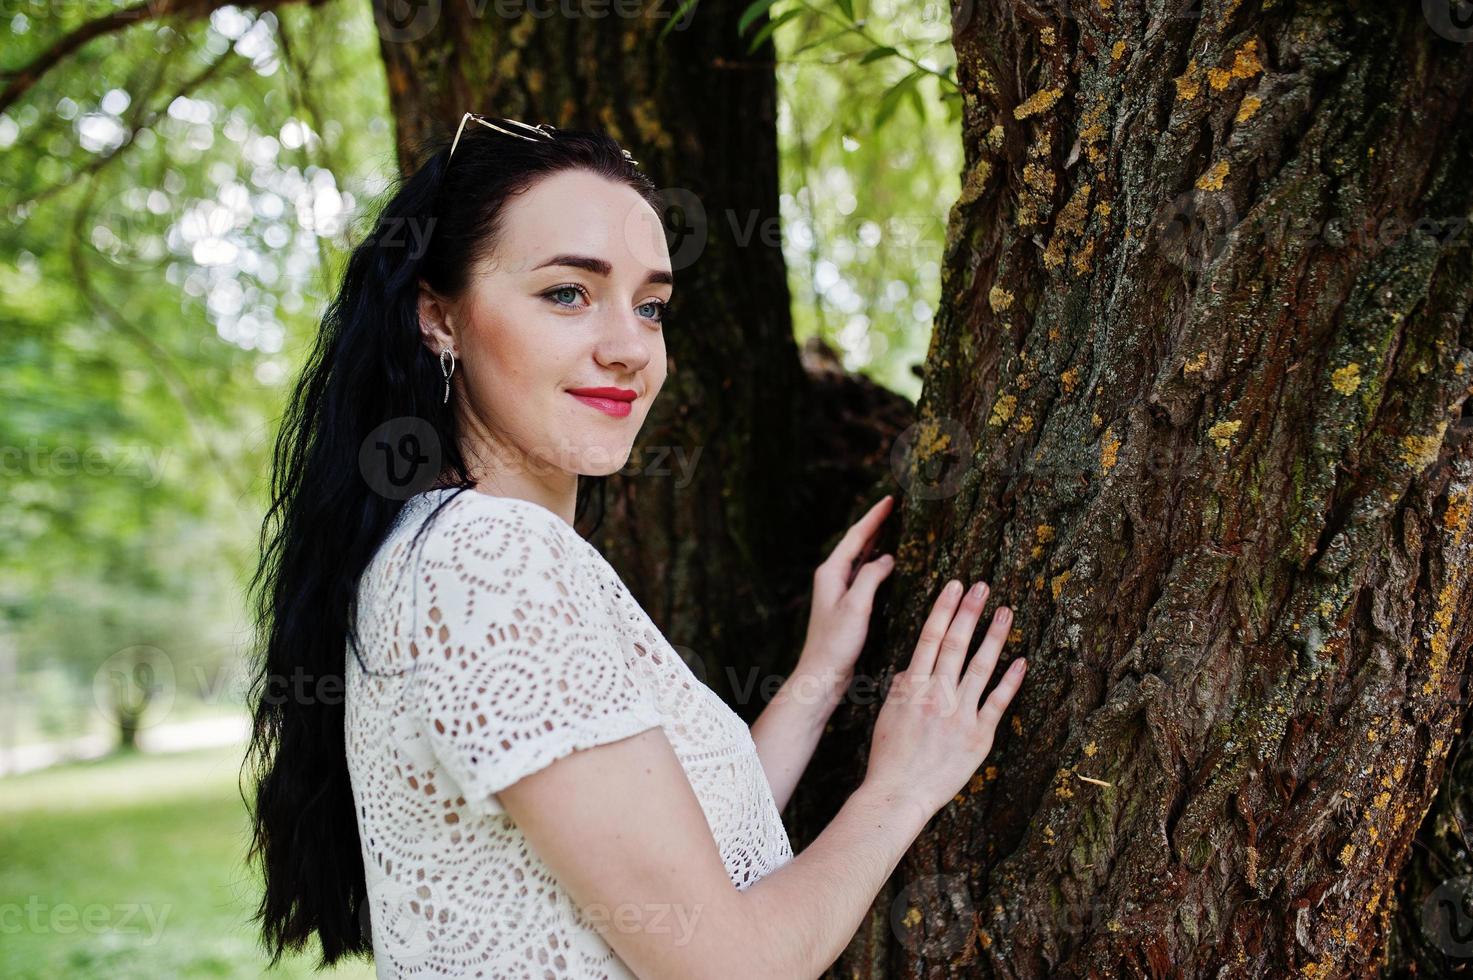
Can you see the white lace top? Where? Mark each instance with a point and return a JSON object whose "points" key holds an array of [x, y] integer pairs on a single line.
{"points": [[502, 643]]}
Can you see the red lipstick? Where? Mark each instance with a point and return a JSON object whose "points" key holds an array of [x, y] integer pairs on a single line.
{"points": [[617, 402]]}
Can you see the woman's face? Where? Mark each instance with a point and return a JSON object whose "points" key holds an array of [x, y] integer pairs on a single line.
{"points": [[571, 298]]}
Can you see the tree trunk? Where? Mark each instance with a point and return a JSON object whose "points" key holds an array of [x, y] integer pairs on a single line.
{"points": [[1202, 364], [730, 494]]}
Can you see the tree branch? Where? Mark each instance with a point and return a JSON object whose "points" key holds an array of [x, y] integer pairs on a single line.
{"points": [[141, 117], [22, 79]]}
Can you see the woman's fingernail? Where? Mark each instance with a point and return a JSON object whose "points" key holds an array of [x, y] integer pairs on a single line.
{"points": [[953, 587], [977, 589]]}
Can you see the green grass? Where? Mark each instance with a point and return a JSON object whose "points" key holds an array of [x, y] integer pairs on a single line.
{"points": [[132, 867]]}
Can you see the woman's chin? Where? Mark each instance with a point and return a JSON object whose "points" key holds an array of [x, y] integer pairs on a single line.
{"points": [[602, 460]]}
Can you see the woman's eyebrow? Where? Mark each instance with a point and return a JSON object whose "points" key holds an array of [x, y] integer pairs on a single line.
{"points": [[601, 267]]}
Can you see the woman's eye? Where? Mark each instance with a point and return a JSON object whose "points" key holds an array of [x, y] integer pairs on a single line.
{"points": [[661, 308], [552, 294]]}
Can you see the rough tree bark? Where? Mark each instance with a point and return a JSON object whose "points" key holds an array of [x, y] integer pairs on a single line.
{"points": [[1196, 407], [722, 562]]}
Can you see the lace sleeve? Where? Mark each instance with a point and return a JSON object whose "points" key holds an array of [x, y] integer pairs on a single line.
{"points": [[518, 660]]}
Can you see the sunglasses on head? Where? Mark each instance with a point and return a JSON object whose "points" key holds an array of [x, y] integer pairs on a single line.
{"points": [[541, 131]]}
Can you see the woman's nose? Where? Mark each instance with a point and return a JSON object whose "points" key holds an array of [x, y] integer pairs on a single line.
{"points": [[626, 341]]}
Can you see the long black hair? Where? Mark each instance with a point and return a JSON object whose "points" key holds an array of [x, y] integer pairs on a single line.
{"points": [[364, 430]]}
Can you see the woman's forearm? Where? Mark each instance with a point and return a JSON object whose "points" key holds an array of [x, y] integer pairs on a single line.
{"points": [[789, 727], [804, 913]]}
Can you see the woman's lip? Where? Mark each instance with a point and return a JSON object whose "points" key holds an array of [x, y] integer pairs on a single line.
{"points": [[617, 407]]}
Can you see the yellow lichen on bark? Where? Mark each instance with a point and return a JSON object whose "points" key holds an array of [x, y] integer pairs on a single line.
{"points": [[1040, 101], [1197, 363], [1247, 108], [1039, 178], [976, 182], [1347, 379], [1069, 379], [1419, 452], [1063, 789], [1442, 622], [931, 440], [1002, 409], [1222, 433], [999, 299], [1455, 520], [1189, 82], [1213, 178], [1109, 450], [1082, 258], [1245, 65]]}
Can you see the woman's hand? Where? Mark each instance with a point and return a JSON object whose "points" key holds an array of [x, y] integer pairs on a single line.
{"points": [[843, 598], [931, 736]]}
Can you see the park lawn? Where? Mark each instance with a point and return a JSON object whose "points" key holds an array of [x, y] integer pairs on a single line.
{"points": [[133, 867]]}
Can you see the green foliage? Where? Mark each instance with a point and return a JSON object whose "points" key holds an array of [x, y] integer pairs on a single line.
{"points": [[177, 199], [871, 163]]}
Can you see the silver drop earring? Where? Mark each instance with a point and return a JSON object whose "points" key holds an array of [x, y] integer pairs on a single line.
{"points": [[447, 371]]}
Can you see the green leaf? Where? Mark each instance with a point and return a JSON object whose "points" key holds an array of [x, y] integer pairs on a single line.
{"points": [[680, 12], [919, 103], [753, 11], [890, 101], [771, 26], [847, 8], [877, 54], [823, 40]]}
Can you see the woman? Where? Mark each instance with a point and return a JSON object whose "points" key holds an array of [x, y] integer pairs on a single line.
{"points": [[475, 754]]}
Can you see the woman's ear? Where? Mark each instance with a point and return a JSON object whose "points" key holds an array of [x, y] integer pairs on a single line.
{"points": [[435, 327]]}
